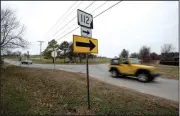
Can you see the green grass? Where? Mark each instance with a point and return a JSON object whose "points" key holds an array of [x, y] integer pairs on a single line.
{"points": [[61, 61], [12, 57], [36, 60], [168, 71], [38, 92], [47, 61]]}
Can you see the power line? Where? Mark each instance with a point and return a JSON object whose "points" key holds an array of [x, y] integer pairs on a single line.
{"points": [[62, 16], [74, 9], [68, 33], [90, 12], [73, 19], [67, 29], [89, 5], [100, 6], [71, 12], [107, 9], [94, 17]]}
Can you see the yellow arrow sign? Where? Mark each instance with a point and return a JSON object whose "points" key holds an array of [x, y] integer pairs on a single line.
{"points": [[84, 44]]}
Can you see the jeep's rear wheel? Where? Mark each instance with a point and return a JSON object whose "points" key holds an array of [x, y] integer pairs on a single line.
{"points": [[143, 77], [114, 73]]}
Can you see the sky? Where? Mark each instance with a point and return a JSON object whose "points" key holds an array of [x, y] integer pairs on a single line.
{"points": [[129, 25]]}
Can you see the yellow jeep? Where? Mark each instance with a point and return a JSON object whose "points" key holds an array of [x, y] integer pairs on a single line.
{"points": [[132, 67]]}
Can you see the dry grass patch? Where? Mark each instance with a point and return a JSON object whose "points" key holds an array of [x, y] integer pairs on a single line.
{"points": [[37, 91], [168, 71]]}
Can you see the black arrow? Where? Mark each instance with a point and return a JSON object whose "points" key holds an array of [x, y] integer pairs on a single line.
{"points": [[82, 44], [87, 32]]}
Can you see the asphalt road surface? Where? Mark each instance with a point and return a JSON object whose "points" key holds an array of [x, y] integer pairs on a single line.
{"points": [[165, 88]]}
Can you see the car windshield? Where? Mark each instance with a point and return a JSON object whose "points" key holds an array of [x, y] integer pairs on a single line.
{"points": [[135, 61]]}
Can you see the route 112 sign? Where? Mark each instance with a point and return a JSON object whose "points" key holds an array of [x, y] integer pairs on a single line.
{"points": [[85, 19]]}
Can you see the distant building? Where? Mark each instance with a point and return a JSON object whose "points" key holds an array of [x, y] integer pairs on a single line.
{"points": [[170, 58], [173, 56]]}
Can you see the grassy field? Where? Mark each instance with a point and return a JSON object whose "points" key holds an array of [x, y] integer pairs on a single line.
{"points": [[61, 61], [37, 92], [168, 71]]}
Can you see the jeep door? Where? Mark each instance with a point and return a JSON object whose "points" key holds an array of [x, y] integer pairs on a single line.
{"points": [[125, 67]]}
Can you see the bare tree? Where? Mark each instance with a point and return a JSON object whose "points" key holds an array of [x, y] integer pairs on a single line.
{"points": [[11, 31], [9, 53], [16, 53], [167, 48], [134, 55], [144, 52], [124, 53], [167, 52]]}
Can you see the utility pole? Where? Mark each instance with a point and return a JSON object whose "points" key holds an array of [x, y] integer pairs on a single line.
{"points": [[40, 48]]}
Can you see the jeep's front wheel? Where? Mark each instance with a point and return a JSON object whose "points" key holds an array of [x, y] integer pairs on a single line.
{"points": [[143, 77], [114, 73]]}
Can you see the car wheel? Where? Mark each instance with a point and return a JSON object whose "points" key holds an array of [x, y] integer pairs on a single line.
{"points": [[143, 77], [114, 73]]}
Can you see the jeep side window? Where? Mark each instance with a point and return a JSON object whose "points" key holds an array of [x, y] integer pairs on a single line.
{"points": [[115, 62]]}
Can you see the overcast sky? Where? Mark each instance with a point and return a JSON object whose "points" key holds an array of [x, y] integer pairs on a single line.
{"points": [[129, 25]]}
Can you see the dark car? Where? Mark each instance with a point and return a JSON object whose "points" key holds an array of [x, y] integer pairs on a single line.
{"points": [[26, 62]]}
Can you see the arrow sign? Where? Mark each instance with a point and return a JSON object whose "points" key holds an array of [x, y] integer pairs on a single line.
{"points": [[82, 44], [86, 32]]}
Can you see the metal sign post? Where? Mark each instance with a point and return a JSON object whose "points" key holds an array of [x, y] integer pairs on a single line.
{"points": [[86, 44], [87, 70], [28, 57], [54, 59], [20, 60]]}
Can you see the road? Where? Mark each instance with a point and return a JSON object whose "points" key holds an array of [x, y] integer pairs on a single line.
{"points": [[165, 88]]}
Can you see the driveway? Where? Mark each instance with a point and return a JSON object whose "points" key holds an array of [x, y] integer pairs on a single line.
{"points": [[165, 88]]}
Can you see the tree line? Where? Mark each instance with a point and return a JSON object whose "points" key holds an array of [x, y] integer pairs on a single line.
{"points": [[146, 54], [64, 50]]}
